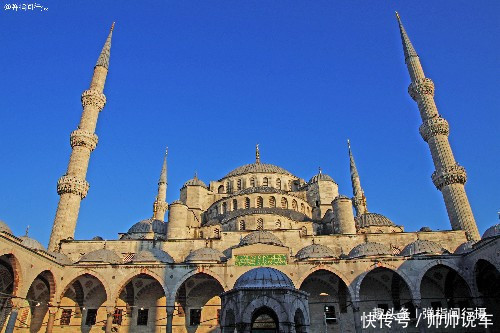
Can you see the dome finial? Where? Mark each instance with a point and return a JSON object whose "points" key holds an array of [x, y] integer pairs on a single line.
{"points": [[27, 231], [195, 174], [257, 154], [319, 170]]}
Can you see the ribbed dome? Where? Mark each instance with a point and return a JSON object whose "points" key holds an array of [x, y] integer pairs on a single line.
{"points": [[101, 255], [4, 227], [421, 246], [373, 219], [149, 225], [31, 243], [369, 249], [61, 258], [257, 168], [492, 231], [260, 237], [320, 176], [464, 247], [264, 278], [205, 254], [195, 182], [315, 251], [153, 255]]}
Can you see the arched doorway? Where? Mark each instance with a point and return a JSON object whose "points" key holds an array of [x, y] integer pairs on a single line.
{"points": [[39, 296], [197, 304], [443, 287], [264, 320], [81, 304], [8, 284], [140, 306], [487, 281], [230, 322], [329, 301], [299, 321]]}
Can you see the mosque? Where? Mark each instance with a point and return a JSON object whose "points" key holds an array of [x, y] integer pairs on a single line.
{"points": [[259, 250]]}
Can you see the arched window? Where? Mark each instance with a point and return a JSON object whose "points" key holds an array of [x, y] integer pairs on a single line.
{"points": [[242, 225], [278, 224], [200, 234], [272, 202], [224, 208], [235, 204], [289, 185], [252, 182], [216, 233], [220, 190], [260, 202], [278, 184], [238, 184], [303, 231], [247, 203], [260, 224], [265, 181], [284, 203], [228, 187], [302, 208], [294, 205]]}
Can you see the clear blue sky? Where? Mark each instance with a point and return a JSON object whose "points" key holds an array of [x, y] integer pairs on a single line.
{"points": [[210, 79]]}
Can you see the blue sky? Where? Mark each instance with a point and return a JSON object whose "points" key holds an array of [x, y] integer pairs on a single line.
{"points": [[210, 79]]}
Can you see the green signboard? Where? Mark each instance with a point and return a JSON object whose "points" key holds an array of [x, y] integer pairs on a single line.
{"points": [[261, 260]]}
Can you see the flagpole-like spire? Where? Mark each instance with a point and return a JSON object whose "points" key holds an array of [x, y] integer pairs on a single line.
{"points": [[160, 205], [359, 199], [411, 57], [103, 59], [257, 154]]}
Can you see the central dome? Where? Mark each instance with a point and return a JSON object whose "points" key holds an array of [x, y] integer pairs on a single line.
{"points": [[258, 168], [264, 278]]}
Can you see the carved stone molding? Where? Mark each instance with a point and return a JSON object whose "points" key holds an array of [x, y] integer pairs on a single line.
{"points": [[434, 126], [452, 175], [71, 184], [83, 138], [93, 98], [422, 87]]}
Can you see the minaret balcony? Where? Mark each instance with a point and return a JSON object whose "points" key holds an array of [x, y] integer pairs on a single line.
{"points": [[93, 98], [420, 88], [451, 175], [434, 126], [74, 185], [83, 138]]}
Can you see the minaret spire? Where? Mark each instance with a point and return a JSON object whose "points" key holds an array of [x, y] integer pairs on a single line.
{"points": [[160, 205], [257, 154], [72, 186], [359, 199], [449, 176]]}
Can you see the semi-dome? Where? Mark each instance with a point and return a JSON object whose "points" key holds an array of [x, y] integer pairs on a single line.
{"points": [[369, 249], [264, 278], [4, 227], [315, 251], [373, 219], [195, 182], [257, 168], [205, 254], [260, 237], [492, 231], [464, 247], [421, 246], [321, 176], [149, 225], [153, 255], [61, 258], [101, 255], [31, 243]]}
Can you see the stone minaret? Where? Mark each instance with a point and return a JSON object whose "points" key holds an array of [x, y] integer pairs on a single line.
{"points": [[160, 205], [449, 177], [72, 186], [359, 199]]}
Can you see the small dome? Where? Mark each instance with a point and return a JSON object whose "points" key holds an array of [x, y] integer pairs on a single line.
{"points": [[257, 168], [320, 176], [195, 182], [61, 258], [205, 254], [421, 246], [264, 278], [177, 202], [4, 227], [425, 229], [97, 238], [149, 225], [315, 251], [260, 237], [31, 243], [373, 219], [153, 255], [369, 249], [102, 255], [492, 231], [465, 247]]}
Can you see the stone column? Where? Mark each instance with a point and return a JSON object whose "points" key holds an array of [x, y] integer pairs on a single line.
{"points": [[357, 317], [52, 318], [16, 305], [170, 317], [110, 311], [417, 303]]}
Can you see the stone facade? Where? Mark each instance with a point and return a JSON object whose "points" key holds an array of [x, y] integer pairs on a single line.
{"points": [[259, 248]]}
